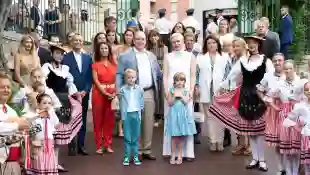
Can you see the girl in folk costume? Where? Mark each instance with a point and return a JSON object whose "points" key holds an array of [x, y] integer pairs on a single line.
{"points": [[239, 49], [272, 118], [299, 119], [242, 110], [178, 123], [212, 65], [44, 161], [60, 85], [289, 91]]}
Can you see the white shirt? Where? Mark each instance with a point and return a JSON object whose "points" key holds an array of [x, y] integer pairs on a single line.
{"points": [[51, 123], [132, 102], [78, 59], [163, 25], [144, 67], [190, 21]]}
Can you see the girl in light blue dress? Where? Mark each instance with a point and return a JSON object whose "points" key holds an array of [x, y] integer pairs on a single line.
{"points": [[178, 123]]}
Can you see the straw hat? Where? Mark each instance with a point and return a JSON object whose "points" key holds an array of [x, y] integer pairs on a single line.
{"points": [[56, 46], [254, 37]]}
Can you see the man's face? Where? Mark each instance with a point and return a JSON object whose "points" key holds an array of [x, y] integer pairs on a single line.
{"points": [[5, 90], [283, 11], [36, 2], [112, 25], [189, 42], [140, 40], [77, 41], [261, 28]]}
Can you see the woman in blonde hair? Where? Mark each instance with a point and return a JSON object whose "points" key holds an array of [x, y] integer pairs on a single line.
{"points": [[224, 31], [25, 60]]}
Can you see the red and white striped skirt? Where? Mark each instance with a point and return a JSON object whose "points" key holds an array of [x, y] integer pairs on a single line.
{"points": [[224, 109], [305, 150], [272, 133], [66, 132], [290, 138], [44, 163]]}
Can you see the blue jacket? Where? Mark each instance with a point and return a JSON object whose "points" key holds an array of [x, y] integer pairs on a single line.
{"points": [[82, 80], [124, 99], [286, 30]]}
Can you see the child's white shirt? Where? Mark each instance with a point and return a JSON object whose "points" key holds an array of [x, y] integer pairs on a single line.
{"points": [[52, 121]]}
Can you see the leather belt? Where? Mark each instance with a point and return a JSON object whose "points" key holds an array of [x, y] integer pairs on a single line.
{"points": [[108, 86]]}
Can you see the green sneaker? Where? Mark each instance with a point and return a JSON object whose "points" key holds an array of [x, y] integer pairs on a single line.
{"points": [[136, 160], [126, 161]]}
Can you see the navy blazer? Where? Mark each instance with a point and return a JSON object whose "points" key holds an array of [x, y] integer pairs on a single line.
{"points": [[286, 30], [35, 16], [82, 80]]}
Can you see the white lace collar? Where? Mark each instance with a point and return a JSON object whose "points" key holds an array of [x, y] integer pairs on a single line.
{"points": [[251, 65]]}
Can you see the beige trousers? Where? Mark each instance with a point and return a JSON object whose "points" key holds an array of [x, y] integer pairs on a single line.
{"points": [[147, 123], [215, 127]]}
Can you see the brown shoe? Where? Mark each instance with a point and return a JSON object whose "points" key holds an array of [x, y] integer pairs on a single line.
{"points": [[238, 150], [247, 151]]}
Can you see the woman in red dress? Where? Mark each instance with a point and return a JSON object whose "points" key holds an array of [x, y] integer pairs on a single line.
{"points": [[104, 70]]}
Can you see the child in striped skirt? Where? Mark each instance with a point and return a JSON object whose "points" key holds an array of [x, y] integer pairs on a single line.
{"points": [[44, 162]]}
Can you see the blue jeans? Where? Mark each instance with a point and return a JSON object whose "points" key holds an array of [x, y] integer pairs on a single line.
{"points": [[132, 127]]}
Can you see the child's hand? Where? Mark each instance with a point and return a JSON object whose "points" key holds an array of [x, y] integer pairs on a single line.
{"points": [[43, 113], [178, 94]]}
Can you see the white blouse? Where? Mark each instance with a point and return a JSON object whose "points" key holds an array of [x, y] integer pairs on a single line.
{"points": [[269, 81], [62, 71], [301, 112], [250, 65], [287, 91], [52, 121]]}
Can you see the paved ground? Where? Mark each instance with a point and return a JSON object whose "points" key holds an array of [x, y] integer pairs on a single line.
{"points": [[206, 163]]}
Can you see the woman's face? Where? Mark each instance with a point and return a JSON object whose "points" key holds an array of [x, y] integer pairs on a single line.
{"points": [[227, 47], [101, 38], [129, 37], [178, 28], [111, 37], [211, 45], [28, 44], [253, 45], [104, 50], [238, 48], [58, 56], [154, 39], [36, 77], [307, 90], [223, 26], [70, 36], [289, 70]]}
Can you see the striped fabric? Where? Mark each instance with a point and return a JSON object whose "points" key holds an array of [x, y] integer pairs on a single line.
{"points": [[66, 132], [222, 109], [290, 138], [273, 122], [44, 163], [305, 150]]}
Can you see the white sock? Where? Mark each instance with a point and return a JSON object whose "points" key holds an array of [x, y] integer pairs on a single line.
{"points": [[253, 144], [260, 141], [280, 159], [295, 164], [288, 164], [307, 169], [56, 151]]}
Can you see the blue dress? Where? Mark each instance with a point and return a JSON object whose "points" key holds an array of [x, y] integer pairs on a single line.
{"points": [[178, 122]]}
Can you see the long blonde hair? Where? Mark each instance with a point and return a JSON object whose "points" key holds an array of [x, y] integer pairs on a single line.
{"points": [[33, 50]]}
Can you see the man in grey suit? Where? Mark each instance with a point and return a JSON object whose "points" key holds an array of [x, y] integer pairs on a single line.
{"points": [[271, 44], [147, 67]]}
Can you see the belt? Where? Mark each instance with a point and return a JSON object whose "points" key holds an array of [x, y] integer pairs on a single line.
{"points": [[108, 85], [148, 88]]}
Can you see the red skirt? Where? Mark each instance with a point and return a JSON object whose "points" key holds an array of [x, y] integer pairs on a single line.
{"points": [[272, 132], [224, 109], [289, 138]]}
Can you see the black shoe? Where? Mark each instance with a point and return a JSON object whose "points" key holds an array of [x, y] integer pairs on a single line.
{"points": [[148, 157], [189, 159], [71, 152], [197, 141], [82, 152], [283, 172], [252, 165]]}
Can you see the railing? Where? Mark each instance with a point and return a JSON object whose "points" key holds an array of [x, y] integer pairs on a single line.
{"points": [[55, 17]]}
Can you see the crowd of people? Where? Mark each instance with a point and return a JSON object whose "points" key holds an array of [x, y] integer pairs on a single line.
{"points": [[242, 86]]}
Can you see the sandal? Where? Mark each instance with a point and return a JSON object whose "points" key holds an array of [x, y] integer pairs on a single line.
{"points": [[179, 161], [172, 160]]}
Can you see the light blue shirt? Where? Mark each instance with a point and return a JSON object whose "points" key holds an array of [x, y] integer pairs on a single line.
{"points": [[133, 104]]}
